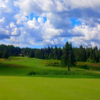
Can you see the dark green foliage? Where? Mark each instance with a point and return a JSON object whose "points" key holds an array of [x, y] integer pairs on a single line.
{"points": [[5, 55], [84, 67], [68, 58], [55, 53], [54, 64], [93, 58], [31, 54], [1, 54], [89, 67], [87, 54], [81, 54], [73, 74], [32, 73], [13, 51], [59, 53]]}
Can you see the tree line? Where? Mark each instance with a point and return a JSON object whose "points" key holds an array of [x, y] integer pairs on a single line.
{"points": [[81, 54], [10, 50]]}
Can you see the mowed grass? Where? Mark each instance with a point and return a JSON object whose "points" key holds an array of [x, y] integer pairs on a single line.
{"points": [[39, 88]]}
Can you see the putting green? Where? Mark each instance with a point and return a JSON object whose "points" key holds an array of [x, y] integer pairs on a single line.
{"points": [[39, 88]]}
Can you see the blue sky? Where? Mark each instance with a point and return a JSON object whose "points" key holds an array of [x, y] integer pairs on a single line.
{"points": [[75, 22], [40, 23]]}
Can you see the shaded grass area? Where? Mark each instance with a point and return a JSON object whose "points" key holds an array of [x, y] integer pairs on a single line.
{"points": [[89, 66], [23, 66], [39, 88], [82, 65]]}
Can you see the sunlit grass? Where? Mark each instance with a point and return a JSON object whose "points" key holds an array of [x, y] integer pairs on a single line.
{"points": [[23, 66], [48, 83], [39, 88]]}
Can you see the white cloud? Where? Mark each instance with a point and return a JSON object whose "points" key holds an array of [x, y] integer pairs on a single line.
{"points": [[19, 28], [20, 18], [51, 33], [90, 35], [2, 20], [4, 33], [40, 20], [15, 31], [72, 4], [33, 23], [6, 6], [12, 25]]}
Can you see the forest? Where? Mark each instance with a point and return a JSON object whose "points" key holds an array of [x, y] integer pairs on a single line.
{"points": [[81, 54]]}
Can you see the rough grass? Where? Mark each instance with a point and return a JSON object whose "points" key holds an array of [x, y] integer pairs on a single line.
{"points": [[39, 88], [23, 66], [90, 66]]}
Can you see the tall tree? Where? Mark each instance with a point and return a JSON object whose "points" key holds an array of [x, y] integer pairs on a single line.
{"points": [[5, 55], [68, 58], [59, 53], [55, 53], [31, 54]]}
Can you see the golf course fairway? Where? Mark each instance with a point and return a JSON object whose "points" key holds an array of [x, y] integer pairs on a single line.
{"points": [[44, 88]]}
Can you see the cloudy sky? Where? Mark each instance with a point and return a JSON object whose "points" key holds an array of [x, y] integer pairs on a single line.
{"points": [[40, 23]]}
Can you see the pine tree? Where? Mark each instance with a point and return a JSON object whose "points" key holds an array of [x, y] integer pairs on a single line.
{"points": [[68, 58], [55, 53], [5, 55], [31, 54]]}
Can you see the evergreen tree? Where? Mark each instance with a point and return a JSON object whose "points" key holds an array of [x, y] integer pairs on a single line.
{"points": [[59, 53], [81, 55], [5, 55], [92, 57], [1, 53], [51, 55], [87, 53], [68, 58], [55, 53], [31, 54]]}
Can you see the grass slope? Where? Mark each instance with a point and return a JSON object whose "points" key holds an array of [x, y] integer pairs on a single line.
{"points": [[21, 66], [13, 87], [37, 88]]}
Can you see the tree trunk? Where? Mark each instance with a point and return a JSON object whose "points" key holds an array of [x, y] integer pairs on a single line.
{"points": [[68, 68]]}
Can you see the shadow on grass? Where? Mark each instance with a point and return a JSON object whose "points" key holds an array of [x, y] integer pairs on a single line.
{"points": [[12, 70], [18, 70], [65, 74], [88, 67]]}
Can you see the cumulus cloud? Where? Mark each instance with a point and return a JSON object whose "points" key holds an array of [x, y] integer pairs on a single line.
{"points": [[4, 33], [90, 35], [12, 25], [50, 23], [2, 20]]}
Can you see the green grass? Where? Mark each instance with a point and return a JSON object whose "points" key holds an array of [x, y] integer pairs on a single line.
{"points": [[23, 66], [39, 88], [90, 66], [49, 82]]}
